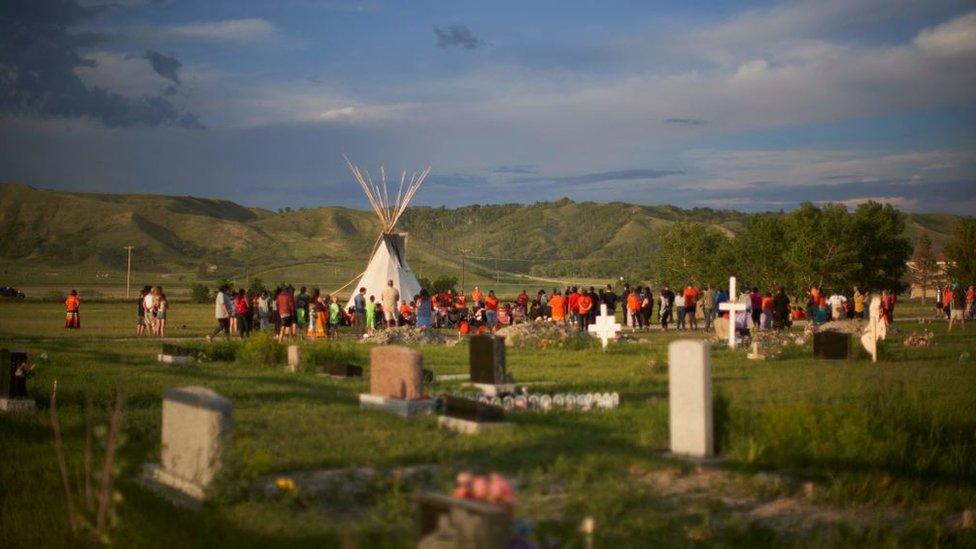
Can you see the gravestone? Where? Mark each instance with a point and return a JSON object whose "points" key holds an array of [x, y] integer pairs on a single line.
{"points": [[396, 382], [606, 326], [13, 381], [831, 345], [174, 354], [487, 362], [451, 522], [197, 423], [467, 416], [721, 326], [294, 358], [343, 370], [690, 398], [733, 307]]}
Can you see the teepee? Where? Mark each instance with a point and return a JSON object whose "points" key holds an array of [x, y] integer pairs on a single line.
{"points": [[389, 260]]}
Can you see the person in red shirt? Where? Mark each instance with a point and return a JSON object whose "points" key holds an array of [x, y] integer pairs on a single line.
{"points": [[242, 311], [491, 310], [461, 302], [286, 312], [573, 304], [522, 299], [477, 296], [72, 307], [584, 304]]}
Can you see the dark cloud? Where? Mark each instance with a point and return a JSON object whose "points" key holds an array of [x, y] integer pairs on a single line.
{"points": [[164, 65], [38, 58], [686, 121], [457, 36], [522, 169], [620, 175]]}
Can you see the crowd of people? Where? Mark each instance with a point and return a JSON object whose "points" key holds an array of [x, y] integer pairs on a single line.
{"points": [[313, 314]]}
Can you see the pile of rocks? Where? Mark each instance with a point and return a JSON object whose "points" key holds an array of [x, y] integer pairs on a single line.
{"points": [[541, 335], [409, 335]]}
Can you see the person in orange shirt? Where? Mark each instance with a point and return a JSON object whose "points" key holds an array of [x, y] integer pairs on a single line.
{"points": [[491, 310], [477, 296], [461, 302], [72, 306], [557, 304], [691, 302], [585, 303], [634, 307]]}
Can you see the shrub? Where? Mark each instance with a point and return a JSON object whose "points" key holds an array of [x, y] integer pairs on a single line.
{"points": [[199, 293], [263, 349], [315, 356]]}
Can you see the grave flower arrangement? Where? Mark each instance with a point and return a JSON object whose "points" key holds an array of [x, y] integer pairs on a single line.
{"points": [[916, 340], [493, 488]]}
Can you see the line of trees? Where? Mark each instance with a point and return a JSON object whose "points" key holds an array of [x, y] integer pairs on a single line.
{"points": [[824, 246]]}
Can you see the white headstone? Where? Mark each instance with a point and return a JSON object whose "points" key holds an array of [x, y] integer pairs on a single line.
{"points": [[294, 358], [733, 307], [690, 398], [606, 326], [196, 423]]}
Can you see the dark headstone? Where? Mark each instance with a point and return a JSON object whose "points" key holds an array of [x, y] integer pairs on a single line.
{"points": [[472, 410], [13, 384], [175, 350], [831, 345], [339, 369], [487, 359], [428, 376]]}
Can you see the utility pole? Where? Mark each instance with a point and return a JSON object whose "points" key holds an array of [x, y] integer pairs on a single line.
{"points": [[463, 255], [128, 270]]}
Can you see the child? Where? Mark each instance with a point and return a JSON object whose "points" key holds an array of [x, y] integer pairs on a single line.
{"points": [[371, 314]]}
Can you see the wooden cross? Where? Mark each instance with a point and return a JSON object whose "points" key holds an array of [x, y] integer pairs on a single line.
{"points": [[732, 306], [605, 327]]}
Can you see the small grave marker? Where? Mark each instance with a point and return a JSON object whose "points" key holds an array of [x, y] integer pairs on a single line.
{"points": [[832, 345], [470, 416], [13, 381], [690, 398], [294, 358], [174, 354], [450, 522], [606, 326], [197, 423]]}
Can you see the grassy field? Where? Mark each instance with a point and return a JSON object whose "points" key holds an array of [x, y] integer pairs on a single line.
{"points": [[812, 453]]}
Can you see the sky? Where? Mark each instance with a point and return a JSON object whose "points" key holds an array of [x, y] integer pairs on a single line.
{"points": [[751, 106]]}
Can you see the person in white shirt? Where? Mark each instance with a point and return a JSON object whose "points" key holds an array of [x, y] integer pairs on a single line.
{"points": [[836, 303], [222, 309]]}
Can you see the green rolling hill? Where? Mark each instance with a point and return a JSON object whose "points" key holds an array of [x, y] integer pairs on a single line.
{"points": [[206, 238]]}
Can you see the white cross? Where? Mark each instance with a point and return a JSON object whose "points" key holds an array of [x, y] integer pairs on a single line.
{"points": [[605, 327], [732, 306]]}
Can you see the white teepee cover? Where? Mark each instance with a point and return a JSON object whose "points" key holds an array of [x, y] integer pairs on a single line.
{"points": [[389, 262]]}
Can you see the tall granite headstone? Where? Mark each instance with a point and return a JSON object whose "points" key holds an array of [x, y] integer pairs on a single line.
{"points": [[396, 382], [832, 345], [487, 359]]}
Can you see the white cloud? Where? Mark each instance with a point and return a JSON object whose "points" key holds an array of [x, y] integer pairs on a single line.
{"points": [[228, 30], [955, 37], [125, 74]]}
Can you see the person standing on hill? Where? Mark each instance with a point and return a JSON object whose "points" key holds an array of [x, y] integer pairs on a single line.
{"points": [[359, 311], [72, 307], [557, 306], [222, 308], [390, 298], [585, 305], [707, 305], [781, 309], [958, 307], [141, 319], [286, 312], [162, 309]]}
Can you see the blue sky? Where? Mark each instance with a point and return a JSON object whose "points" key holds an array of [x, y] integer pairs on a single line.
{"points": [[751, 106]]}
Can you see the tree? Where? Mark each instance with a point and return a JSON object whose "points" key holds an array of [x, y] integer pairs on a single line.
{"points": [[876, 235], [256, 286], [691, 253], [925, 268], [199, 293], [758, 255], [818, 249], [961, 252], [444, 283]]}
